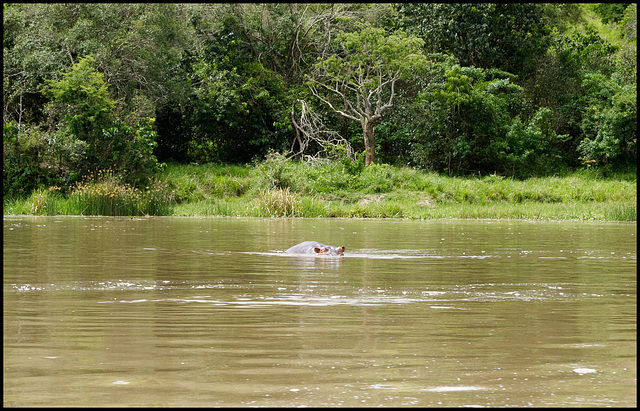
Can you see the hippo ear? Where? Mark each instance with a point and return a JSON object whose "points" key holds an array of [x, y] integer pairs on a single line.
{"points": [[317, 250], [341, 250]]}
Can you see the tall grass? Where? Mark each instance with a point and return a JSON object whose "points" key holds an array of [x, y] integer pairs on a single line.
{"points": [[383, 191], [104, 194], [108, 196], [280, 187], [278, 203]]}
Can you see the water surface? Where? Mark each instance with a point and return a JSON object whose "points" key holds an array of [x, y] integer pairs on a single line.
{"points": [[210, 312]]}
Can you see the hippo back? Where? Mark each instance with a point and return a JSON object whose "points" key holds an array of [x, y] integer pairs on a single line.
{"points": [[315, 248]]}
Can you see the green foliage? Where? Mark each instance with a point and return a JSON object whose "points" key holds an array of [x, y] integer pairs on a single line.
{"points": [[229, 117], [102, 141], [136, 46], [85, 136], [28, 161], [578, 106], [83, 98], [277, 170], [610, 12], [566, 62], [82, 81], [368, 62], [529, 149], [470, 123], [485, 35], [79, 112], [132, 150], [609, 122], [358, 81]]}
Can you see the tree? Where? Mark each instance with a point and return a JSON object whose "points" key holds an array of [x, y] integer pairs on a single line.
{"points": [[609, 120], [83, 116], [137, 47], [485, 35], [286, 37], [469, 123], [358, 81], [82, 99]]}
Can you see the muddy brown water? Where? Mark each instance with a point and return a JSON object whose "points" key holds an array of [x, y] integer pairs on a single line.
{"points": [[210, 312]]}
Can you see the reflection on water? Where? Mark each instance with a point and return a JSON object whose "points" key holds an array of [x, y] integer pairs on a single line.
{"points": [[211, 312]]}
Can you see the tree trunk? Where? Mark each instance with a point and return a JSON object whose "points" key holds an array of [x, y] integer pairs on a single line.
{"points": [[369, 142]]}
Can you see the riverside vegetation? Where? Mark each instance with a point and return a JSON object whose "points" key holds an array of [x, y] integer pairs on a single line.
{"points": [[281, 187], [426, 110]]}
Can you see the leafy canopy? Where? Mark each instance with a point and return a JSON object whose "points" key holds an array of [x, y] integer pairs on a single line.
{"points": [[85, 92], [367, 60]]}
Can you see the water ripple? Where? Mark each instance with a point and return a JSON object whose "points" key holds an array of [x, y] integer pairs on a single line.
{"points": [[250, 295]]}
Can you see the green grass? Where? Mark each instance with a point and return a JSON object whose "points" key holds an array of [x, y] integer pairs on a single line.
{"points": [[279, 187], [285, 188]]}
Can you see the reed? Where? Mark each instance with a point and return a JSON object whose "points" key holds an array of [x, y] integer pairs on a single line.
{"points": [[105, 198], [277, 203], [43, 201], [107, 195], [104, 194]]}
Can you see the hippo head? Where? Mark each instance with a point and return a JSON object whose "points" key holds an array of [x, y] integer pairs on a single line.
{"points": [[329, 250]]}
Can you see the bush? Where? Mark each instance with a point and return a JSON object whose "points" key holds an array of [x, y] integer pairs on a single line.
{"points": [[132, 150], [529, 149], [29, 161], [277, 170]]}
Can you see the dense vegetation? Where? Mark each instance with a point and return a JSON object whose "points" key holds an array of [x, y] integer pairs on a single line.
{"points": [[116, 95]]}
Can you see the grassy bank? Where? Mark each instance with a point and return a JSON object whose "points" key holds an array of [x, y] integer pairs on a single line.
{"points": [[284, 188]]}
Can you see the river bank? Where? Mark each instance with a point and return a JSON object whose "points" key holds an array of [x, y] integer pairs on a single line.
{"points": [[283, 188]]}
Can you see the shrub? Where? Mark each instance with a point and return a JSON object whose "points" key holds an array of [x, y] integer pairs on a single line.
{"points": [[131, 150], [29, 161], [277, 170]]}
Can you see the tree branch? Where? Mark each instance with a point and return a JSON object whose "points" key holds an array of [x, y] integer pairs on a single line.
{"points": [[314, 91]]}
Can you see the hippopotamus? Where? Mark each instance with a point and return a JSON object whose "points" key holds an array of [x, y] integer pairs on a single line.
{"points": [[315, 248]]}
